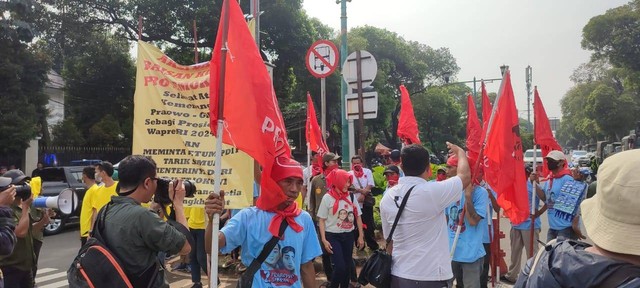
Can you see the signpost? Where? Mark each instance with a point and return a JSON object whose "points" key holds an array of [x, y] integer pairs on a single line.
{"points": [[322, 60], [359, 71]]}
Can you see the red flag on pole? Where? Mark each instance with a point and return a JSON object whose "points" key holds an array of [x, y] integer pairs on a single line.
{"points": [[253, 121], [407, 124], [503, 151], [542, 134], [312, 130], [474, 131], [486, 107]]}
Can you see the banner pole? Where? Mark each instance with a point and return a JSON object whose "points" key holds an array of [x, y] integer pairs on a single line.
{"points": [[195, 43], [213, 278], [533, 193]]}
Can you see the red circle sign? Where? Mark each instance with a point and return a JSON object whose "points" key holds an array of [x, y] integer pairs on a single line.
{"points": [[322, 58]]}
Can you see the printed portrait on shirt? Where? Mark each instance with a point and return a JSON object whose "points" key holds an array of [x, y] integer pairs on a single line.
{"points": [[454, 213], [279, 269], [344, 221]]}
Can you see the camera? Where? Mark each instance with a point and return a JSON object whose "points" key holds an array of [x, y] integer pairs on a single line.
{"points": [[162, 191], [23, 191]]}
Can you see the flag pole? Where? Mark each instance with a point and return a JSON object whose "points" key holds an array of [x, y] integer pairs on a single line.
{"points": [[533, 193], [480, 156], [213, 278]]}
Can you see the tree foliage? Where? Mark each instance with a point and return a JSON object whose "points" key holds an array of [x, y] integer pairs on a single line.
{"points": [[66, 133]]}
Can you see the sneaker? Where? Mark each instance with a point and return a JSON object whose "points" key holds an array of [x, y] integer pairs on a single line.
{"points": [[241, 268], [182, 267], [504, 279], [229, 263]]}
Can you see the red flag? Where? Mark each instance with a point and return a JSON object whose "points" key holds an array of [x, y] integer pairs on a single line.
{"points": [[312, 130], [407, 124], [253, 121], [503, 151], [474, 131], [542, 133]]}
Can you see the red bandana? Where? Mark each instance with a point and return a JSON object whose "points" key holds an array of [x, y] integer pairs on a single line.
{"points": [[392, 180], [336, 181], [357, 170], [287, 214]]}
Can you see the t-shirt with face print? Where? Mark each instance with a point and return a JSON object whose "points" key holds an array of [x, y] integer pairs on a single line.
{"points": [[343, 220]]}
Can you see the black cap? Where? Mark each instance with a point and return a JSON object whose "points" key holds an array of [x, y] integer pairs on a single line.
{"points": [[395, 155], [16, 176], [392, 169]]}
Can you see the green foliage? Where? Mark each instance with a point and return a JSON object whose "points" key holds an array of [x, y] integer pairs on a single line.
{"points": [[439, 118], [66, 133], [100, 82], [23, 73], [106, 132]]}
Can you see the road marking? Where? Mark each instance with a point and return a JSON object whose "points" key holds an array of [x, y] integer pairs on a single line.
{"points": [[56, 284], [51, 277], [45, 270]]}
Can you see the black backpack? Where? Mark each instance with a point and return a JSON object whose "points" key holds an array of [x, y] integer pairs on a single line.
{"points": [[96, 266]]}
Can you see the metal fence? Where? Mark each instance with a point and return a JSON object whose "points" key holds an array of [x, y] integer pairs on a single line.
{"points": [[64, 155]]}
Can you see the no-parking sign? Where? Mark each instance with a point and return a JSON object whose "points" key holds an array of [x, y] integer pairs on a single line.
{"points": [[322, 58]]}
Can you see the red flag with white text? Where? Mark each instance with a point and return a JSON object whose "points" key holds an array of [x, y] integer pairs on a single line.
{"points": [[474, 134], [313, 131], [407, 124], [503, 151], [253, 121], [542, 133]]}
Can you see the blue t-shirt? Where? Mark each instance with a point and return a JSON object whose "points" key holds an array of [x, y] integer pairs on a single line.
{"points": [[469, 247], [249, 229], [552, 190], [526, 225], [488, 231]]}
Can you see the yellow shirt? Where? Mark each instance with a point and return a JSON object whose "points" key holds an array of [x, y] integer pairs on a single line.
{"points": [[103, 196], [196, 218], [85, 210]]}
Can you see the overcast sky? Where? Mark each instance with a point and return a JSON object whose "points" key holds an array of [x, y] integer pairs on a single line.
{"points": [[484, 34]]}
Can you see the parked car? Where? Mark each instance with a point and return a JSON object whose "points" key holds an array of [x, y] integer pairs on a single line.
{"points": [[56, 179], [85, 162], [585, 161], [528, 157], [576, 154]]}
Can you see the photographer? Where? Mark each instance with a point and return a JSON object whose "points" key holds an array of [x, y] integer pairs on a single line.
{"points": [[135, 234], [7, 223], [17, 266]]}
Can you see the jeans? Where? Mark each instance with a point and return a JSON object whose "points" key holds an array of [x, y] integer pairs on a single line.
{"points": [[467, 274], [397, 282], [484, 277], [197, 256], [563, 234], [342, 246]]}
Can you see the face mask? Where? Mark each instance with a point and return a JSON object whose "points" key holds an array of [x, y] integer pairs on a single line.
{"points": [[392, 180], [441, 177], [552, 165]]}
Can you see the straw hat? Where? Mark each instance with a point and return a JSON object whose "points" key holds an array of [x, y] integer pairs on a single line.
{"points": [[612, 217]]}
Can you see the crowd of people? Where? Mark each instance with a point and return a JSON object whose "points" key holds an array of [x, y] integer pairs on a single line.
{"points": [[442, 238]]}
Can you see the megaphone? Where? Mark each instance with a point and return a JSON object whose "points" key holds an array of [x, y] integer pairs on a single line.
{"points": [[66, 202]]}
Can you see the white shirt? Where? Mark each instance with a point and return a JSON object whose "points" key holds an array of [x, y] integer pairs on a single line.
{"points": [[362, 182], [421, 239], [343, 221]]}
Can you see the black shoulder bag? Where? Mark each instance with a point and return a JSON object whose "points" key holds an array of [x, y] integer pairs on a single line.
{"points": [[377, 270], [246, 280]]}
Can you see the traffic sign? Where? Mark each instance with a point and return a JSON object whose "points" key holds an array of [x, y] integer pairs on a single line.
{"points": [[369, 68], [322, 58], [369, 103]]}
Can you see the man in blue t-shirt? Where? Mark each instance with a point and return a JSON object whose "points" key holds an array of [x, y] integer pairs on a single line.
{"points": [[520, 236], [468, 257], [562, 195], [290, 263]]}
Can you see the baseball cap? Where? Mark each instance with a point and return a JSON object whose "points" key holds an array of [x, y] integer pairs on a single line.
{"points": [[16, 176], [284, 168], [5, 181], [611, 216], [391, 169], [395, 154], [330, 156], [452, 161], [556, 155]]}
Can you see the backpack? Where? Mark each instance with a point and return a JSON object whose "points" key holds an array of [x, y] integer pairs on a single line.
{"points": [[96, 266]]}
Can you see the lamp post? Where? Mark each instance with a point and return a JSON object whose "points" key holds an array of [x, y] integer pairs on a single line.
{"points": [[528, 78], [343, 85]]}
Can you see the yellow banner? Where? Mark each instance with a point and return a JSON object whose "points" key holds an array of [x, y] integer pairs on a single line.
{"points": [[171, 124]]}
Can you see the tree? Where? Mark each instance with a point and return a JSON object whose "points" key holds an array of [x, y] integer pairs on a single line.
{"points": [[66, 133], [615, 36], [439, 118], [100, 82], [23, 75], [106, 132]]}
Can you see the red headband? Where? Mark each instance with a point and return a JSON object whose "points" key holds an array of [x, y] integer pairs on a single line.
{"points": [[284, 168]]}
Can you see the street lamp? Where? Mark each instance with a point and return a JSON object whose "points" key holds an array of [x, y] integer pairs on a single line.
{"points": [[503, 69]]}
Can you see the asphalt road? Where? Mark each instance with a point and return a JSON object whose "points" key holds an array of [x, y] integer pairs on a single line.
{"points": [[59, 250]]}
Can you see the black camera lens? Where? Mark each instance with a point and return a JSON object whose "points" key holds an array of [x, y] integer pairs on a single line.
{"points": [[23, 191], [162, 191]]}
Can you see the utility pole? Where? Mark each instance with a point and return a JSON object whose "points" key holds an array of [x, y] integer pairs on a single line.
{"points": [[255, 11], [343, 86], [528, 76]]}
